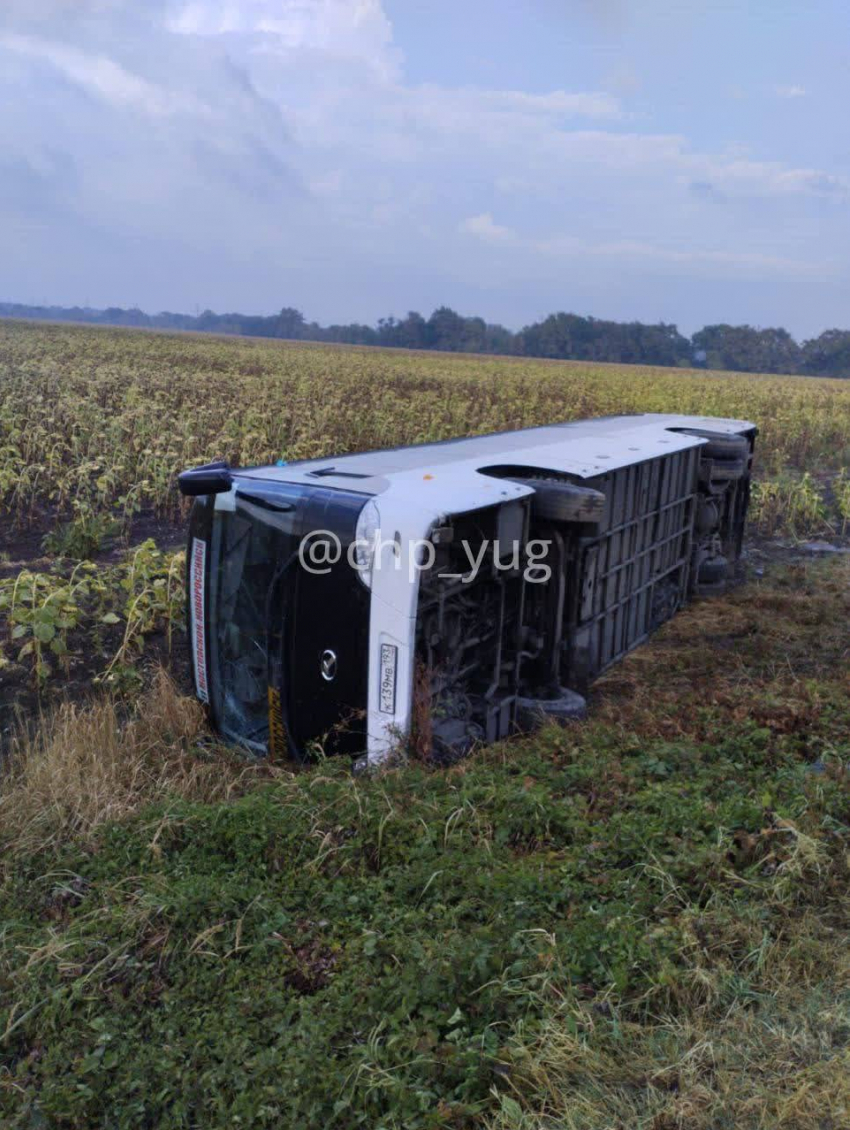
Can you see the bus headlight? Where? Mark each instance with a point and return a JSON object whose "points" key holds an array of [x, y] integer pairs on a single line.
{"points": [[366, 537]]}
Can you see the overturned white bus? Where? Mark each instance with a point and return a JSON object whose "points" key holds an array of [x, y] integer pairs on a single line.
{"points": [[490, 579]]}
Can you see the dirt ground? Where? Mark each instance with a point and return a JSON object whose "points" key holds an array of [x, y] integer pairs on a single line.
{"points": [[21, 546], [22, 701]]}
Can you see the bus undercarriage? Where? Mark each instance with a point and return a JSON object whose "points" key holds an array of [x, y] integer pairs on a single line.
{"points": [[503, 644]]}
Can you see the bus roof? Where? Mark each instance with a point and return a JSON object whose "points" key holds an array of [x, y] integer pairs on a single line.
{"points": [[582, 449]]}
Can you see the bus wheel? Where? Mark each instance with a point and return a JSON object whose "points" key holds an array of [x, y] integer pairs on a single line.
{"points": [[559, 501]]}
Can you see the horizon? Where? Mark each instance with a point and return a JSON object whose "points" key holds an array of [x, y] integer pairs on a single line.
{"points": [[308, 320]]}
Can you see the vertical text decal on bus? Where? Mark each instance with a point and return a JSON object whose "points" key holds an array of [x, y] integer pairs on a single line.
{"points": [[196, 588]]}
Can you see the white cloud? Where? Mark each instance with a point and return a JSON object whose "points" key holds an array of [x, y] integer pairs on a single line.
{"points": [[483, 227], [696, 256], [557, 103], [344, 29], [811, 181], [353, 24], [567, 247], [104, 78], [766, 178], [560, 157], [791, 91]]}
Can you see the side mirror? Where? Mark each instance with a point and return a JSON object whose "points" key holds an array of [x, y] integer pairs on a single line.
{"points": [[212, 478]]}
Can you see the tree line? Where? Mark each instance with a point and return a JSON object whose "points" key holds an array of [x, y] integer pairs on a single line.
{"points": [[561, 336]]}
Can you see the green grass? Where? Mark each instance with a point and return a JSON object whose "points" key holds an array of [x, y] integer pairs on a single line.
{"points": [[637, 922]]}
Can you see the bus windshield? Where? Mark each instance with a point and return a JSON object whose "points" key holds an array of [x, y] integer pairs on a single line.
{"points": [[253, 546]]}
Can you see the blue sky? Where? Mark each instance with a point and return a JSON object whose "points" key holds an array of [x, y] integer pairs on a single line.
{"points": [[685, 162]]}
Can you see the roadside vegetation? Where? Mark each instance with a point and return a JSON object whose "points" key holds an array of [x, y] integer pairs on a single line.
{"points": [[638, 922]]}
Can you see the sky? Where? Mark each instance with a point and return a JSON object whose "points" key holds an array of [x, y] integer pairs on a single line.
{"points": [[682, 161]]}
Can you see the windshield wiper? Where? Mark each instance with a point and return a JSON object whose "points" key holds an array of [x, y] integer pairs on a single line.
{"points": [[265, 502]]}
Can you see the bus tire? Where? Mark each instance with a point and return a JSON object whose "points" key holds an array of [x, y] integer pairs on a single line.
{"points": [[555, 500]]}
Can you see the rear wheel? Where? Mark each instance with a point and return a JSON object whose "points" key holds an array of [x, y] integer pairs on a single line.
{"points": [[567, 706], [712, 574], [720, 445], [556, 500], [725, 457], [727, 470]]}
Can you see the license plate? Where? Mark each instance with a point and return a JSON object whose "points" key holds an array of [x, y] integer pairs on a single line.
{"points": [[389, 657]]}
